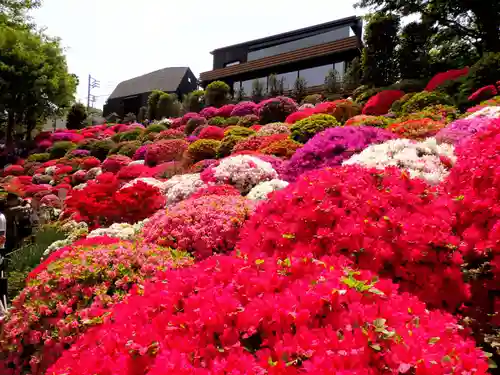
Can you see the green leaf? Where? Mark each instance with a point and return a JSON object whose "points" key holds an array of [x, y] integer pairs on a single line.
{"points": [[434, 340], [259, 262], [376, 347], [491, 363]]}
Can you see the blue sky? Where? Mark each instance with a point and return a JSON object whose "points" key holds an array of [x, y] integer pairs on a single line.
{"points": [[115, 40]]}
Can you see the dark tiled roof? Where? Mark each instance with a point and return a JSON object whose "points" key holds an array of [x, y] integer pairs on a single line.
{"points": [[167, 80]]}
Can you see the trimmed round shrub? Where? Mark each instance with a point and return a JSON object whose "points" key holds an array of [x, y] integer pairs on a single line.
{"points": [[313, 99], [299, 115], [202, 226], [398, 104], [114, 163], [307, 128], [332, 147], [275, 109], [244, 108], [283, 148], [130, 135], [60, 149], [41, 158], [461, 130], [256, 142], [100, 149], [438, 112], [193, 123], [364, 120], [203, 149], [168, 170], [274, 128], [170, 134], [217, 121], [227, 145], [86, 144], [226, 110], [154, 128], [381, 103], [212, 132], [342, 110], [442, 78], [416, 129], [248, 120], [239, 131], [164, 151], [208, 112], [424, 99], [233, 120]]}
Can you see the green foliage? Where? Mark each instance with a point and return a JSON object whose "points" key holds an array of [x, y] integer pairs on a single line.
{"points": [[438, 112], [423, 99], [101, 148], [217, 121], [233, 120], [248, 120], [203, 149], [258, 90], [362, 97], [141, 116], [130, 135], [193, 102], [86, 144], [217, 94], [76, 117], [239, 131], [193, 123], [379, 55], [276, 86], [126, 148], [299, 89], [16, 11], [307, 128], [35, 83], [413, 53], [352, 75], [227, 144], [409, 85], [41, 158], [166, 107], [396, 106], [154, 128], [486, 71], [59, 149], [240, 95], [333, 84], [153, 100]]}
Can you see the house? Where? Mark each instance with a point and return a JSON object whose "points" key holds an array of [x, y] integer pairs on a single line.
{"points": [[129, 96], [309, 53]]}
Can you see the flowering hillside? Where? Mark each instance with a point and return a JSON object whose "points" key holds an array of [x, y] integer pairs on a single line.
{"points": [[267, 238]]}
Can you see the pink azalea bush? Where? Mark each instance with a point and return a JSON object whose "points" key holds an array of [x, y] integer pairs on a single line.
{"points": [[202, 226]]}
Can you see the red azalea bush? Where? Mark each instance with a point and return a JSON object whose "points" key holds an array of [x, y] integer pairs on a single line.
{"points": [[417, 129], [239, 315], [275, 109], [256, 142], [13, 170], [90, 162], [212, 132], [299, 115], [342, 109], [441, 78], [226, 110], [164, 151], [208, 112], [202, 226], [244, 108], [71, 295], [188, 116], [133, 171], [376, 219], [381, 103], [102, 203], [222, 190], [472, 190], [114, 163], [484, 93], [168, 170], [170, 134], [79, 177]]}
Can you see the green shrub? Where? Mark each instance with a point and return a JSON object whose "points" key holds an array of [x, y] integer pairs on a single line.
{"points": [[227, 144], [59, 149], [153, 128], [193, 123], [239, 131], [363, 97], [217, 121], [143, 112], [203, 149], [193, 102], [100, 149], [41, 158], [307, 128], [153, 99], [126, 148], [216, 94], [312, 99], [248, 120], [131, 135], [486, 71], [86, 144], [438, 112], [76, 117], [424, 99], [396, 106], [233, 120], [409, 85]]}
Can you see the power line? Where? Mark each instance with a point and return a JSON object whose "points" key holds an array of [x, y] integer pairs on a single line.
{"points": [[92, 84]]}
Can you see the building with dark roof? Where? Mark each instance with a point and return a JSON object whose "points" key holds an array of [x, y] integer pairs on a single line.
{"points": [[309, 53], [130, 95]]}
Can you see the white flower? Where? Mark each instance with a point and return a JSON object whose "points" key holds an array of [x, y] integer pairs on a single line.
{"points": [[56, 246], [306, 106], [420, 159], [490, 112], [261, 191], [244, 172], [150, 181], [122, 231], [80, 187], [136, 162], [273, 128], [93, 173], [182, 186], [50, 170]]}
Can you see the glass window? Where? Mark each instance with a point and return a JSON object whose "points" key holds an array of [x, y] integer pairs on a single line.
{"points": [[329, 36], [247, 87], [340, 68], [233, 63], [315, 76], [288, 79], [236, 87]]}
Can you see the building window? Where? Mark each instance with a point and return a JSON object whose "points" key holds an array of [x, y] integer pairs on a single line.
{"points": [[340, 68], [315, 76], [314, 40], [288, 79], [189, 79], [236, 87], [233, 63], [248, 85]]}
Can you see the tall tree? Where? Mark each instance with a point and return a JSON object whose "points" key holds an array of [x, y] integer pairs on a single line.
{"points": [[35, 82], [474, 20], [414, 51], [15, 11], [379, 55]]}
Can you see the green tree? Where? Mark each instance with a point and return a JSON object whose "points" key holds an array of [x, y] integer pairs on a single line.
{"points": [[258, 91], [15, 11], [379, 55], [333, 85], [473, 20], [299, 89], [141, 116], [353, 74], [217, 94], [76, 116], [413, 53], [240, 95], [34, 79], [193, 102], [276, 86], [165, 107], [153, 99]]}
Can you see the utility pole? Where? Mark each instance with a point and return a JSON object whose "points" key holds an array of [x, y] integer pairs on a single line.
{"points": [[92, 84]]}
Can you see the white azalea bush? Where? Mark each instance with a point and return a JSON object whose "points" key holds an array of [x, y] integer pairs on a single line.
{"points": [[181, 187], [242, 171], [490, 112], [262, 190], [427, 160], [123, 231], [273, 128], [74, 230], [150, 181]]}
